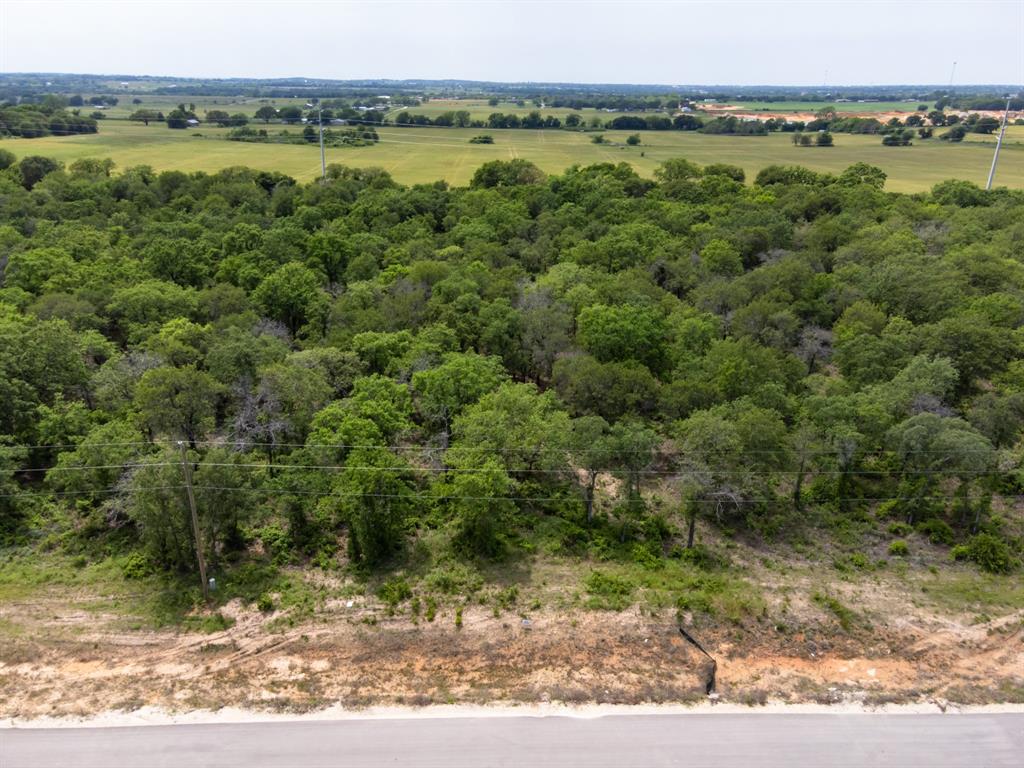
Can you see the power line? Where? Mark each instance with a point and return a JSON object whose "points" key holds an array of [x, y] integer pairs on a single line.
{"points": [[494, 449], [114, 490]]}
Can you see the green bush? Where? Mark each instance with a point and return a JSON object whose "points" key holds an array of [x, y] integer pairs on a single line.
{"points": [[641, 555], [136, 566], [937, 531], [276, 542], [394, 591], [700, 556], [988, 552], [506, 598], [719, 595], [453, 579], [899, 548], [213, 622], [860, 561], [899, 529], [843, 614], [888, 508], [265, 603], [608, 592]]}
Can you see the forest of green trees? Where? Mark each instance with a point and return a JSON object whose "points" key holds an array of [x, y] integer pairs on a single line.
{"points": [[617, 361]]}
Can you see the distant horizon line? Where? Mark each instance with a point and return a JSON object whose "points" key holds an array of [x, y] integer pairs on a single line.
{"points": [[299, 79]]}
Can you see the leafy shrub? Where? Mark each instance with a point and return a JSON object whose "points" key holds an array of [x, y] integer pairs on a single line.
{"points": [[453, 579], [860, 561], [843, 614], [276, 542], [394, 591], [209, 623], [641, 555], [136, 566], [601, 547], [989, 552], [899, 548], [937, 531], [506, 598], [719, 595], [900, 529], [559, 536], [855, 560], [265, 603], [431, 612], [608, 592], [700, 556]]}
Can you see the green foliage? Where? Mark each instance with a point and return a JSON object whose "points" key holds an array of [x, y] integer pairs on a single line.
{"points": [[178, 402], [989, 552], [844, 615], [506, 173], [478, 498], [461, 380], [588, 364], [937, 531], [265, 603], [899, 548], [292, 296], [621, 333], [136, 566], [608, 592], [395, 591], [374, 499]]}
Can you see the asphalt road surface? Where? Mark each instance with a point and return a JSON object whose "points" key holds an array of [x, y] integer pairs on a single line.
{"points": [[622, 741]]}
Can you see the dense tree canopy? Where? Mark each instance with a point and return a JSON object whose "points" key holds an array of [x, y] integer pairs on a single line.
{"points": [[360, 362]]}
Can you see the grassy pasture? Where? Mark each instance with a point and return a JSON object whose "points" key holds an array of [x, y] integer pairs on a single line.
{"points": [[162, 103], [1014, 135], [420, 155]]}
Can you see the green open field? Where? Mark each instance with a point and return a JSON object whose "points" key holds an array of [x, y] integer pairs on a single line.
{"points": [[415, 155], [162, 103], [479, 109]]}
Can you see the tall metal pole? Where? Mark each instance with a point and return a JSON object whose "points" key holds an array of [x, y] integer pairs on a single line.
{"points": [[187, 471], [999, 143], [323, 161]]}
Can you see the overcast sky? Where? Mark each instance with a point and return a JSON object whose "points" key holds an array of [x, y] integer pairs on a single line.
{"points": [[817, 42]]}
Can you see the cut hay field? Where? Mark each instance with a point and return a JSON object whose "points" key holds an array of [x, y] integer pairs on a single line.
{"points": [[420, 155]]}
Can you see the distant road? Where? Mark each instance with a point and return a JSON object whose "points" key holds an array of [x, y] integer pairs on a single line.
{"points": [[619, 741]]}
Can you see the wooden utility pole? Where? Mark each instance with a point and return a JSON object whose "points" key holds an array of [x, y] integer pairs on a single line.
{"points": [[187, 471]]}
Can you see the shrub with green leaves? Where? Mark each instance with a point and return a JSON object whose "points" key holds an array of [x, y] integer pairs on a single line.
{"points": [[990, 553], [937, 531], [394, 591], [899, 548], [608, 592]]}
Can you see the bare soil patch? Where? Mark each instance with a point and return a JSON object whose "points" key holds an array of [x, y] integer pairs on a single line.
{"points": [[66, 661]]}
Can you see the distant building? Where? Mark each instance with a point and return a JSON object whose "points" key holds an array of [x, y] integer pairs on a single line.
{"points": [[191, 122]]}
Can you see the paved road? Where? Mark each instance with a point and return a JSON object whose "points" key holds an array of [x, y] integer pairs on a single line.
{"points": [[741, 740]]}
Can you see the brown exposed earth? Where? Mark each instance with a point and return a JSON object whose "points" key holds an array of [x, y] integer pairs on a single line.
{"points": [[69, 658]]}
